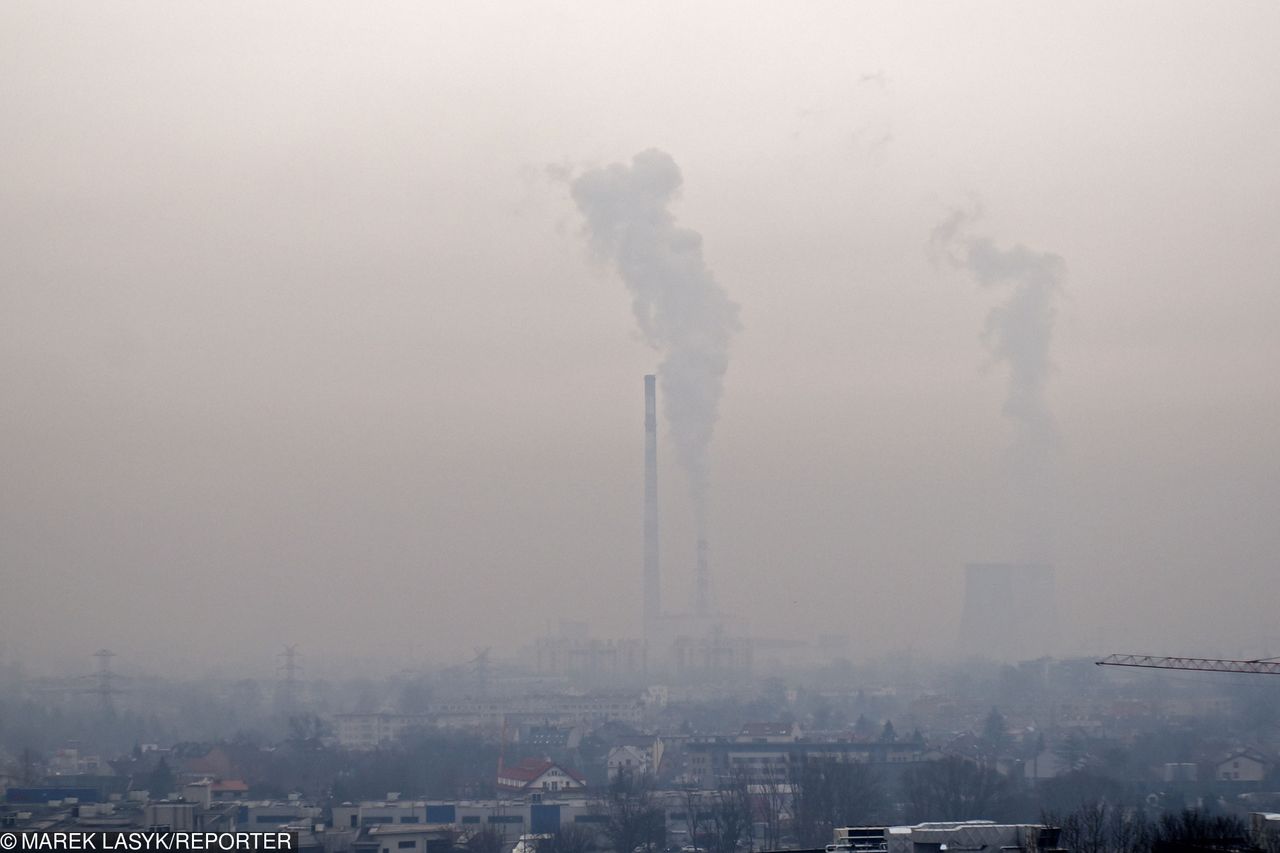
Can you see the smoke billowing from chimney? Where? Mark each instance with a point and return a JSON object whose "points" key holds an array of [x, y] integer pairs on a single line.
{"points": [[1018, 332], [680, 308]]}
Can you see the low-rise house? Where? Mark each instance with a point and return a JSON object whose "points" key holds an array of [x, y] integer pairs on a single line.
{"points": [[1244, 765], [628, 761], [1180, 771], [538, 775], [769, 732], [228, 790]]}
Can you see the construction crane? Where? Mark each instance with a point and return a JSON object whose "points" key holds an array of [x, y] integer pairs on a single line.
{"points": [[1260, 666]]}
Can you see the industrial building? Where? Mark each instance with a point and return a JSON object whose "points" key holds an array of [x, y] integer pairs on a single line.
{"points": [[596, 660], [767, 760], [949, 835], [369, 731], [511, 818]]}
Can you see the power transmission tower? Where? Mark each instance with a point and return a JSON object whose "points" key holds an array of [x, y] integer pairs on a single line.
{"points": [[28, 766], [289, 686], [105, 688], [480, 668]]}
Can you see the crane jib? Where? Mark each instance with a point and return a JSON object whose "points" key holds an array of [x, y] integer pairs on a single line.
{"points": [[1260, 667]]}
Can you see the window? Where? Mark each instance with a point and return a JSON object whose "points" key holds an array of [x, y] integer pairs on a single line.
{"points": [[471, 818], [408, 818], [407, 845], [506, 818]]}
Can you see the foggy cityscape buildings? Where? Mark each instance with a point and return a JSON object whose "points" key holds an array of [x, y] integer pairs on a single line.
{"points": [[954, 523]]}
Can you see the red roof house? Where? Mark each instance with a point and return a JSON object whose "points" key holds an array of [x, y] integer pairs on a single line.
{"points": [[539, 774]]}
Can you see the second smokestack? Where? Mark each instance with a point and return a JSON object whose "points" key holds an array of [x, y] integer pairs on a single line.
{"points": [[652, 586], [702, 582]]}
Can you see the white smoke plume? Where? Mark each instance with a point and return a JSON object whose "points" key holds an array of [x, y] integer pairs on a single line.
{"points": [[1018, 333], [680, 308]]}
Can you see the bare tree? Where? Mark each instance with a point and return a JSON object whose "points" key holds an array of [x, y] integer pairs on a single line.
{"points": [[633, 818], [731, 819], [830, 792], [569, 839], [771, 807], [486, 840], [697, 815], [1129, 831], [1094, 829], [1179, 831], [1100, 827], [954, 789]]}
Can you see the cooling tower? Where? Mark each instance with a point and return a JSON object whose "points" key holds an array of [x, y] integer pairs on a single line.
{"points": [[1010, 611]]}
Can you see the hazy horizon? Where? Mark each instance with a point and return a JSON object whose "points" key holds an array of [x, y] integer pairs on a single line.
{"points": [[305, 340]]}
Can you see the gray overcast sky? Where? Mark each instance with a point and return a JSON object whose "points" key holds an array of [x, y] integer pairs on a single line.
{"points": [[302, 340]]}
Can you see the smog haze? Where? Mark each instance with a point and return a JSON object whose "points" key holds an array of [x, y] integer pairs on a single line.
{"points": [[311, 336]]}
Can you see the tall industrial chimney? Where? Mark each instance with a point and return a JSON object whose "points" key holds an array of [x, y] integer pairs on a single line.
{"points": [[702, 582], [652, 585], [1010, 611]]}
